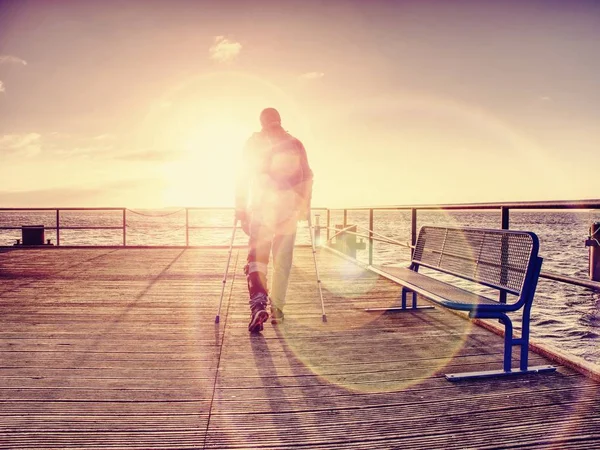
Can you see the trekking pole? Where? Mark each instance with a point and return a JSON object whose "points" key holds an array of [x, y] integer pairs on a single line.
{"points": [[314, 252], [235, 221]]}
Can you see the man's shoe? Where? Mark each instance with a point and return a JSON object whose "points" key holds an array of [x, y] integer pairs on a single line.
{"points": [[276, 315], [258, 313]]}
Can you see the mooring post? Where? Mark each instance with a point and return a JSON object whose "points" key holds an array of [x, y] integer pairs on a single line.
{"points": [[593, 243]]}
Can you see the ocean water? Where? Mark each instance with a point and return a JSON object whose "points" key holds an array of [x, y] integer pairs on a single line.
{"points": [[564, 316]]}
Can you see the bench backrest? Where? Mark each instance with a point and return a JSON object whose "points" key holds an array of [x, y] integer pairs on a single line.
{"points": [[496, 258]]}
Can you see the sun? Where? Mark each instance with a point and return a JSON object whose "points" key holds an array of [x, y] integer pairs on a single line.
{"points": [[204, 123], [204, 172]]}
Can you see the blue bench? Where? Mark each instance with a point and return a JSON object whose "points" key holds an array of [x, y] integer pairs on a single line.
{"points": [[503, 260]]}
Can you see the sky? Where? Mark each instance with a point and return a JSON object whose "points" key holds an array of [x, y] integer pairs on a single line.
{"points": [[149, 103]]}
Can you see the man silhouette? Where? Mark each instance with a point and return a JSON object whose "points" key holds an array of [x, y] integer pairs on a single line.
{"points": [[273, 192]]}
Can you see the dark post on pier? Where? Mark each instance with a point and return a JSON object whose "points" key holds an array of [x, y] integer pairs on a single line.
{"points": [[594, 244], [32, 234]]}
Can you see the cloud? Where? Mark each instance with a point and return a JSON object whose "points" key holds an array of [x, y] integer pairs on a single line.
{"points": [[79, 147], [311, 76], [59, 135], [105, 137], [545, 98], [28, 144], [72, 147], [16, 141], [9, 59], [115, 193], [151, 156], [40, 197], [224, 50]]}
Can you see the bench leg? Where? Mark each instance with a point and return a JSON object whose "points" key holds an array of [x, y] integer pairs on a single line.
{"points": [[525, 337], [509, 343], [403, 306]]}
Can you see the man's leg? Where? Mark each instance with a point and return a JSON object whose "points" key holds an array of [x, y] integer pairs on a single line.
{"points": [[283, 253], [256, 275]]}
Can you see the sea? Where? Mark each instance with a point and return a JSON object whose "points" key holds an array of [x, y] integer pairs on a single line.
{"points": [[564, 316]]}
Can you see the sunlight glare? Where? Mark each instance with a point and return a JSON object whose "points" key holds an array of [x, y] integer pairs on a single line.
{"points": [[204, 173], [204, 124]]}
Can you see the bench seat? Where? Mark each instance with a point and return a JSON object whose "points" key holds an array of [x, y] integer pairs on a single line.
{"points": [[446, 294]]}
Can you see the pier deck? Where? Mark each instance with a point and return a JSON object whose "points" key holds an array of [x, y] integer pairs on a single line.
{"points": [[117, 348]]}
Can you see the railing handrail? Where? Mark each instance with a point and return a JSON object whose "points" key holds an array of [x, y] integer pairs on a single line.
{"points": [[70, 208], [545, 204], [382, 237], [120, 208]]}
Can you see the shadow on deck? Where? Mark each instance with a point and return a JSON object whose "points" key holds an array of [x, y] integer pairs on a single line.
{"points": [[117, 348]]}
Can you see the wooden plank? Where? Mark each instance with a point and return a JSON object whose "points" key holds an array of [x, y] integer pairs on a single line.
{"points": [[107, 348]]}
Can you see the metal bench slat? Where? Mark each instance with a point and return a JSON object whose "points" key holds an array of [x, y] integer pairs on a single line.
{"points": [[444, 293]]}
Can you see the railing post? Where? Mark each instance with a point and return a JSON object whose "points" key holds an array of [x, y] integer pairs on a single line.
{"points": [[345, 218], [594, 251], [124, 227], [413, 231], [328, 224], [317, 229], [371, 236], [57, 227], [187, 228], [505, 219]]}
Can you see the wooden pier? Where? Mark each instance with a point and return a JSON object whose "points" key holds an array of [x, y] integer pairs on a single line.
{"points": [[117, 348]]}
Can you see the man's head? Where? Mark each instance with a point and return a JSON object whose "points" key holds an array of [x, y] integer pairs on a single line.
{"points": [[270, 118]]}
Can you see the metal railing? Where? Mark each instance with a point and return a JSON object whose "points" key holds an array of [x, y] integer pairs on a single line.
{"points": [[123, 226], [58, 227], [503, 209], [504, 222]]}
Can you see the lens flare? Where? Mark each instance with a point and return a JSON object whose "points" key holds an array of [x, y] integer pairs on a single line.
{"points": [[353, 350]]}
